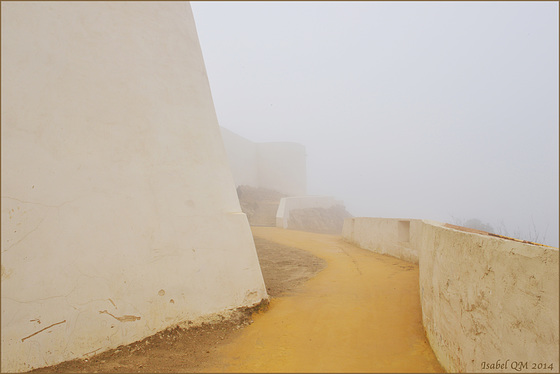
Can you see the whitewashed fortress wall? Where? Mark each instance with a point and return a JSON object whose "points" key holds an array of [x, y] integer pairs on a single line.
{"points": [[119, 210]]}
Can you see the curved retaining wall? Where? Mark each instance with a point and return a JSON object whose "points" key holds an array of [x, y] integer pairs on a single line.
{"points": [[395, 237], [489, 304]]}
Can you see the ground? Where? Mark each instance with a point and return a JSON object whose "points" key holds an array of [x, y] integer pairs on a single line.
{"points": [[334, 307], [361, 313], [191, 350]]}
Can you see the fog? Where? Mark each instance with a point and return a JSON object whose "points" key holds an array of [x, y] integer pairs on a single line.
{"points": [[436, 110]]}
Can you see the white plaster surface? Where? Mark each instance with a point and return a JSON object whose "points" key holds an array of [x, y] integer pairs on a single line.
{"points": [[287, 204], [486, 299], [381, 235], [279, 166], [115, 181], [488, 304]]}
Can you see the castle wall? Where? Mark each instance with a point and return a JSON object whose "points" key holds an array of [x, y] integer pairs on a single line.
{"points": [[282, 167], [287, 204], [488, 304], [279, 166], [243, 158], [115, 181]]}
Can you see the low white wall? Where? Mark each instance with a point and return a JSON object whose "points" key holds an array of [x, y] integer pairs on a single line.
{"points": [[488, 304], [288, 204], [119, 212], [395, 237], [279, 166], [487, 299]]}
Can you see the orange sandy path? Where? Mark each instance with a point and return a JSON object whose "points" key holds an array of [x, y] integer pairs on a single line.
{"points": [[360, 314]]}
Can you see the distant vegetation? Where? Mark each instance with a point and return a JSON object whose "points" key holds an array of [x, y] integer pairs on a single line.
{"points": [[533, 235]]}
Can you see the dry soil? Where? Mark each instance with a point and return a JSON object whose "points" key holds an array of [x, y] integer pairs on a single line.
{"points": [[334, 308], [179, 350]]}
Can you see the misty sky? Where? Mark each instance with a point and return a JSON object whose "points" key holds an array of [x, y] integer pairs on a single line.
{"points": [[435, 110]]}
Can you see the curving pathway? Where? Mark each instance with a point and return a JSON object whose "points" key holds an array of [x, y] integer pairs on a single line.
{"points": [[360, 314]]}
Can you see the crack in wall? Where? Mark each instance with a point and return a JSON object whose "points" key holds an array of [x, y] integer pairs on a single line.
{"points": [[125, 318], [48, 327], [25, 236], [40, 204], [39, 224], [85, 354]]}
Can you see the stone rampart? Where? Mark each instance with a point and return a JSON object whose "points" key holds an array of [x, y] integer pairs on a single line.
{"points": [[279, 166], [288, 204], [115, 182]]}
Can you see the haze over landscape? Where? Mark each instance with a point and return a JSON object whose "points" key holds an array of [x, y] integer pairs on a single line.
{"points": [[436, 110]]}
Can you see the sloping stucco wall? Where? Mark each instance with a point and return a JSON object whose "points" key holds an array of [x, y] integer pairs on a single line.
{"points": [[488, 304], [115, 181]]}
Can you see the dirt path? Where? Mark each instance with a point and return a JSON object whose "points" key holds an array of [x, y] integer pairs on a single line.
{"points": [[359, 312], [178, 350]]}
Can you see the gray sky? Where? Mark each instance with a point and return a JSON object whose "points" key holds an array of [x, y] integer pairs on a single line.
{"points": [[426, 110]]}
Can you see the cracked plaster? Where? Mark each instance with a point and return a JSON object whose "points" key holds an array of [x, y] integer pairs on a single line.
{"points": [[114, 181]]}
